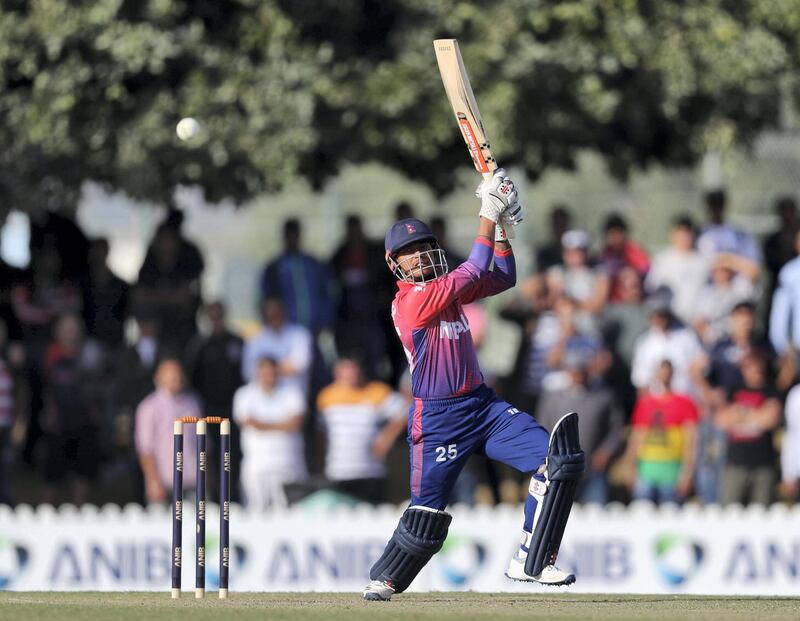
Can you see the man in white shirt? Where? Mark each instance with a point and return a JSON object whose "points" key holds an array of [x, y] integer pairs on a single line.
{"points": [[784, 319], [289, 344], [665, 340], [790, 449], [270, 415], [681, 268]]}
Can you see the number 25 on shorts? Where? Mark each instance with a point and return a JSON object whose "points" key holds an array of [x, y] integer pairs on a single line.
{"points": [[445, 453]]}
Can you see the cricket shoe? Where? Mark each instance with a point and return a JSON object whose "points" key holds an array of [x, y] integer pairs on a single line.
{"points": [[550, 575], [378, 591]]}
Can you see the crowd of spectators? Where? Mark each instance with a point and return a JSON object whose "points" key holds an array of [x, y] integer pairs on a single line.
{"points": [[682, 365]]}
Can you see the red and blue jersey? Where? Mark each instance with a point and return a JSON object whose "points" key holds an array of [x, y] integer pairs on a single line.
{"points": [[432, 326]]}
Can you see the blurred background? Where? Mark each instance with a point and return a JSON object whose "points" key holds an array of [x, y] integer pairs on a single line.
{"points": [[240, 272]]}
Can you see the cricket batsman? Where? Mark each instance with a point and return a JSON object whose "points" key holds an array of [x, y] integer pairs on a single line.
{"points": [[454, 414]]}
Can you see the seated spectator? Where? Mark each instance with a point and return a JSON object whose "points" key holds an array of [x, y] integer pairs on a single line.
{"points": [[362, 420], [576, 279], [661, 453], [287, 343], [576, 336], [71, 416], [732, 281], [549, 253], [155, 418], [270, 416], [790, 450], [681, 269], [105, 299], [169, 285], [665, 339], [720, 237], [601, 422], [300, 281], [750, 418], [619, 253]]}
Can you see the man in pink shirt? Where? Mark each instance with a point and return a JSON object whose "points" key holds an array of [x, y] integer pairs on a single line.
{"points": [[154, 425]]}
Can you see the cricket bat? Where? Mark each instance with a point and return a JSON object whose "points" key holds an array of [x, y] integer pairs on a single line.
{"points": [[462, 100]]}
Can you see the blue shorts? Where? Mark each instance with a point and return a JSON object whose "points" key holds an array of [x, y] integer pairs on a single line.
{"points": [[443, 433]]}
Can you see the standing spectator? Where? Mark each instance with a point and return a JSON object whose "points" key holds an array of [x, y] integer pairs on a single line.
{"points": [[549, 254], [214, 363], [681, 269], [725, 357], [10, 277], [722, 373], [169, 284], [214, 370], [732, 281], [720, 237], [105, 299], [576, 279], [362, 420], [601, 422], [301, 282], [784, 319], [439, 228], [622, 323], [287, 343], [576, 336], [270, 415], [403, 210], [46, 295], [7, 418], [790, 450], [618, 253], [662, 448], [358, 265], [56, 230], [779, 247], [135, 365], [750, 418], [155, 418], [71, 415], [533, 312], [665, 339]]}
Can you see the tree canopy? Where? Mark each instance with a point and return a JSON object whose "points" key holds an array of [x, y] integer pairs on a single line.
{"points": [[92, 90]]}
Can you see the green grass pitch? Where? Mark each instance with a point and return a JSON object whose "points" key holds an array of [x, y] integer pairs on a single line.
{"points": [[343, 606]]}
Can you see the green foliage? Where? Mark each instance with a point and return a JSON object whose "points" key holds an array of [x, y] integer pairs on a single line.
{"points": [[92, 90]]}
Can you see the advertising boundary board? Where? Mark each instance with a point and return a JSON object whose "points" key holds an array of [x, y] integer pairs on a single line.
{"points": [[614, 549]]}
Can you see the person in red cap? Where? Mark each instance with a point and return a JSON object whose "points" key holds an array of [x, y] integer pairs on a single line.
{"points": [[454, 414]]}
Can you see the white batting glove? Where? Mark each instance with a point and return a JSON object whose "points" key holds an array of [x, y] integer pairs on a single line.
{"points": [[496, 194]]}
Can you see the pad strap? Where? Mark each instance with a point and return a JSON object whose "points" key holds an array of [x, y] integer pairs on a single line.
{"points": [[563, 471], [419, 535]]}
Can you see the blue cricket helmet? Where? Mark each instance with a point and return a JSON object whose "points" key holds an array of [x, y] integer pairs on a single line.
{"points": [[405, 232]]}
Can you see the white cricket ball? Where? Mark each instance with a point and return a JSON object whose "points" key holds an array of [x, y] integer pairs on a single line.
{"points": [[187, 128]]}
